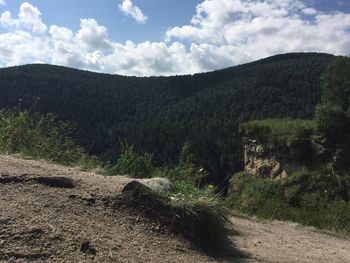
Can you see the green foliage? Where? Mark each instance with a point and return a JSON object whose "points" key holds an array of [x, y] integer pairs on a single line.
{"points": [[321, 182], [333, 113], [38, 136], [186, 171], [202, 220], [291, 139], [257, 196], [275, 133], [133, 164], [310, 198], [196, 212], [322, 213], [318, 197], [206, 219]]}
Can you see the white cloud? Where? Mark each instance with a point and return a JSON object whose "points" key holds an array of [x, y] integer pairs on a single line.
{"points": [[135, 12], [6, 19], [250, 30], [221, 33], [20, 47], [2, 2], [149, 58], [29, 17], [309, 11], [93, 35]]}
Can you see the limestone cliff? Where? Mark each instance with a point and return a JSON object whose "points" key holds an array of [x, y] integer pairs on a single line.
{"points": [[266, 163], [275, 149]]}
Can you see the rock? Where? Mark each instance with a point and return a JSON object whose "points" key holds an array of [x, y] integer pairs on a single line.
{"points": [[161, 185], [267, 164], [87, 248]]}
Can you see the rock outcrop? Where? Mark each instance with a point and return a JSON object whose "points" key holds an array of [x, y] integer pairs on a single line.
{"points": [[161, 185], [267, 163]]}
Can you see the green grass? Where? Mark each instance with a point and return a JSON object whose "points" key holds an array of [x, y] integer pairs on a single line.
{"points": [[293, 139], [279, 132], [201, 220]]}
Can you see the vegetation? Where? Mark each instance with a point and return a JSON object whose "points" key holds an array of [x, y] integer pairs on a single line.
{"points": [[202, 220], [158, 115], [318, 196], [309, 198], [293, 138], [38, 136], [197, 213], [274, 133], [42, 136], [133, 164], [333, 113]]}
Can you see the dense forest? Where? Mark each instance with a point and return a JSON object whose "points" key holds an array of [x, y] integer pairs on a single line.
{"points": [[160, 114]]}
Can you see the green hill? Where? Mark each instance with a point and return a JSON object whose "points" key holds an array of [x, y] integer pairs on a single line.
{"points": [[159, 114]]}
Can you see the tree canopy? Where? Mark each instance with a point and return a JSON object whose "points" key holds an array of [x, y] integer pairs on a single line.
{"points": [[333, 112]]}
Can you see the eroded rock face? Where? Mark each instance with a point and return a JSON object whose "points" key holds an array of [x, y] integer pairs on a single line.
{"points": [[266, 164]]}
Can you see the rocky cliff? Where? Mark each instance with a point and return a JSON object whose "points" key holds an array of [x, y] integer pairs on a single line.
{"points": [[275, 149], [262, 162]]}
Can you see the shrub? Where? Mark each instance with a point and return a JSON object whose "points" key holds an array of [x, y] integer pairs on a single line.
{"points": [[310, 198], [132, 163], [38, 136], [253, 194]]}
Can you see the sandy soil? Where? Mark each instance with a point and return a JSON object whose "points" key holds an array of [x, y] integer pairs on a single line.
{"points": [[40, 222]]}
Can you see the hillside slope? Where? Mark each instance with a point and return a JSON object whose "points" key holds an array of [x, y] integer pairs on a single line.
{"points": [[158, 114], [42, 221]]}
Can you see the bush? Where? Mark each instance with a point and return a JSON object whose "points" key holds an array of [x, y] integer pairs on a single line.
{"points": [[132, 164], [255, 195], [38, 136], [309, 198]]}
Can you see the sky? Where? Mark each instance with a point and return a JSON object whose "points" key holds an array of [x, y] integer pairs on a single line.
{"points": [[167, 37]]}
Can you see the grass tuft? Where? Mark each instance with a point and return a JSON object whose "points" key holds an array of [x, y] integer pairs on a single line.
{"points": [[201, 220]]}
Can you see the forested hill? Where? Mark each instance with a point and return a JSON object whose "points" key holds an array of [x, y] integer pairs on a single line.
{"points": [[158, 114]]}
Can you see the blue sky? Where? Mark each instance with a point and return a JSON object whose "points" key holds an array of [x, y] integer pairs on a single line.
{"points": [[161, 15], [167, 37]]}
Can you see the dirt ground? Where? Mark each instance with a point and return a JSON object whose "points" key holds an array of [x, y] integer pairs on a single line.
{"points": [[44, 218]]}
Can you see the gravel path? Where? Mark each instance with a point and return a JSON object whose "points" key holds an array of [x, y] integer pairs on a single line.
{"points": [[43, 221]]}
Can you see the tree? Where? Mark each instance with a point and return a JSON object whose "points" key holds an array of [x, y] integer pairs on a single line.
{"points": [[333, 112]]}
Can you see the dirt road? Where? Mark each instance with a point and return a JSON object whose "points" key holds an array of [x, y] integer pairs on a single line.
{"points": [[43, 219]]}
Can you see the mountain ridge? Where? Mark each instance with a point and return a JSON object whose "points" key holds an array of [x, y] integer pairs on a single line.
{"points": [[159, 114], [282, 56]]}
